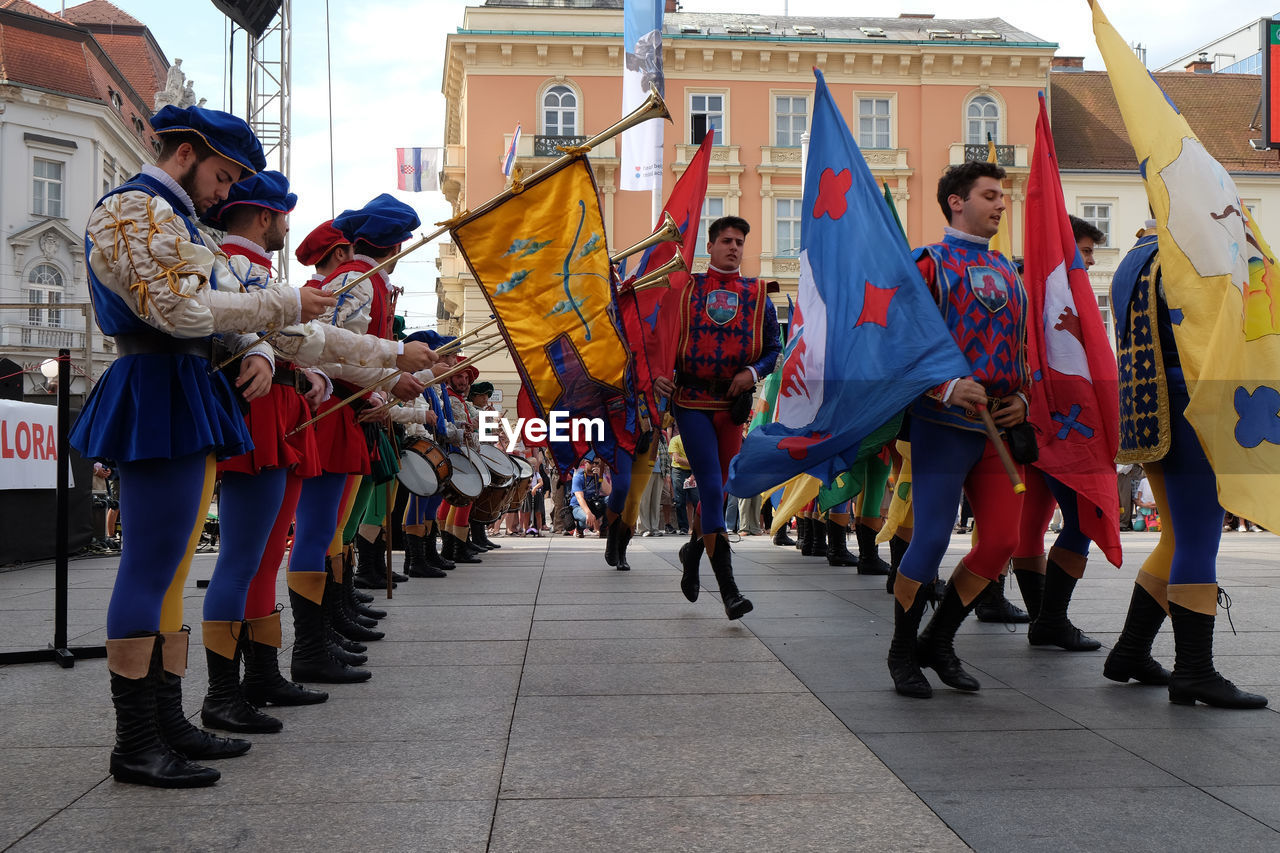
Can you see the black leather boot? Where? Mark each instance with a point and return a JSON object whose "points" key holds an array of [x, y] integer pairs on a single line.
{"points": [[838, 553], [371, 571], [224, 704], [1131, 657], [312, 659], [690, 557], [263, 684], [783, 538], [1031, 585], [351, 610], [480, 536], [1052, 627], [176, 730], [456, 550], [141, 756], [869, 562], [804, 536], [349, 574], [897, 547], [434, 559], [341, 620], [611, 539], [416, 565], [736, 605], [992, 606], [619, 536], [1194, 678], [937, 649], [904, 667], [352, 598], [818, 535]]}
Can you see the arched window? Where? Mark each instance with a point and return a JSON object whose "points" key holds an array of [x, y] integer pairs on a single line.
{"points": [[44, 285], [559, 112], [983, 120]]}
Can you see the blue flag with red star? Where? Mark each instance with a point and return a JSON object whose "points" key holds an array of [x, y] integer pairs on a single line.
{"points": [[866, 335]]}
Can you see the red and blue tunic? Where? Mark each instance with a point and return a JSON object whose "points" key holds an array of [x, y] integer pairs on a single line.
{"points": [[271, 417], [727, 323], [984, 305]]}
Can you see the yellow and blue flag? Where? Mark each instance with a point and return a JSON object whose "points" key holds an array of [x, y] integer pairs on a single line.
{"points": [[1220, 282], [540, 259], [867, 337]]}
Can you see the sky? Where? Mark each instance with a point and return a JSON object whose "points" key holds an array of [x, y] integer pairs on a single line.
{"points": [[388, 60]]}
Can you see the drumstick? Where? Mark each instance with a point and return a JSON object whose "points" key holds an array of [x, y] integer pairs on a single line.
{"points": [[1001, 450]]}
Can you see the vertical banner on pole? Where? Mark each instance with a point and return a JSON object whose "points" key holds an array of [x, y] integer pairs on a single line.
{"points": [[642, 144]]}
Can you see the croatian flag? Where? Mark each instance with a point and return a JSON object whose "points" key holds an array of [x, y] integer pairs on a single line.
{"points": [[509, 161], [866, 337], [418, 169]]}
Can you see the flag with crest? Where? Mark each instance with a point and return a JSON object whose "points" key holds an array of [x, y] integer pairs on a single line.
{"points": [[1221, 284], [867, 337], [1074, 404]]}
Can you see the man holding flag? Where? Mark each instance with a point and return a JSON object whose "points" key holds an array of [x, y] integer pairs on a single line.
{"points": [[1199, 353], [1073, 408], [984, 305], [871, 339]]}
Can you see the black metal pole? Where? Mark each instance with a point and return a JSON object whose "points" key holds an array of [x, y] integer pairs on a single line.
{"points": [[63, 511]]}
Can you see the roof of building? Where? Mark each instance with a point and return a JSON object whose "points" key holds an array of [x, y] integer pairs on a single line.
{"points": [[101, 12], [1089, 132], [25, 8], [914, 28], [46, 52]]}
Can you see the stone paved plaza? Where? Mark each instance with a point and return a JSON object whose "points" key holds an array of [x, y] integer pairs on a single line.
{"points": [[542, 701]]}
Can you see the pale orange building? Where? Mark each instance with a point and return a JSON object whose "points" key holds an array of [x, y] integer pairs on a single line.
{"points": [[918, 92]]}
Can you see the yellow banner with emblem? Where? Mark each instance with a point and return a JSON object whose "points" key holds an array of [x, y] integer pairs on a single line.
{"points": [[1220, 283], [541, 261]]}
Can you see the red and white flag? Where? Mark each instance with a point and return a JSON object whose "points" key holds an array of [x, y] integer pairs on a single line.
{"points": [[1074, 403]]}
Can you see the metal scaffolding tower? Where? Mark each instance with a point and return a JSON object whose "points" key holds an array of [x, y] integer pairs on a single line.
{"points": [[269, 95]]}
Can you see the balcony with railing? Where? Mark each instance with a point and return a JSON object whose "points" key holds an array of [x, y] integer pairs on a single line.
{"points": [[30, 335], [549, 146]]}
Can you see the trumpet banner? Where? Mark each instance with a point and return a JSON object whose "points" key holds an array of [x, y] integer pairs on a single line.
{"points": [[541, 261], [1221, 285]]}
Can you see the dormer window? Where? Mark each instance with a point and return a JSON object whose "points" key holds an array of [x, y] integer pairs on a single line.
{"points": [[116, 100]]}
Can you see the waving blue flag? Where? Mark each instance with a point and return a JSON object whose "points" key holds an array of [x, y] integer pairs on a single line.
{"points": [[867, 337]]}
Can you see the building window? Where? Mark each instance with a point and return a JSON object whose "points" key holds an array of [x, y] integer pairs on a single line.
{"points": [[1099, 216], [706, 114], [559, 112], [983, 114], [44, 286], [791, 120], [712, 209], [1108, 321], [786, 220], [46, 189], [873, 123]]}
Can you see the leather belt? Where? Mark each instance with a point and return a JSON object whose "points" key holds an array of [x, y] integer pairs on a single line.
{"points": [[719, 387], [144, 343], [285, 375]]}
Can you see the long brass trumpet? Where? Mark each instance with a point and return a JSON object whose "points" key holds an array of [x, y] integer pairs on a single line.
{"points": [[653, 107], [668, 233], [676, 264]]}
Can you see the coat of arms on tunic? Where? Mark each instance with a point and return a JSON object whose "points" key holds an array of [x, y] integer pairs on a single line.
{"points": [[988, 285], [722, 306]]}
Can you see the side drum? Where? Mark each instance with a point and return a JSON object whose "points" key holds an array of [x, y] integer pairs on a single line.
{"points": [[424, 467], [492, 503], [464, 484], [502, 471], [524, 481]]}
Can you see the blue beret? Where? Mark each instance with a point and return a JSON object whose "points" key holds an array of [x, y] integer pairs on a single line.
{"points": [[431, 338], [384, 222], [265, 189], [224, 133]]}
